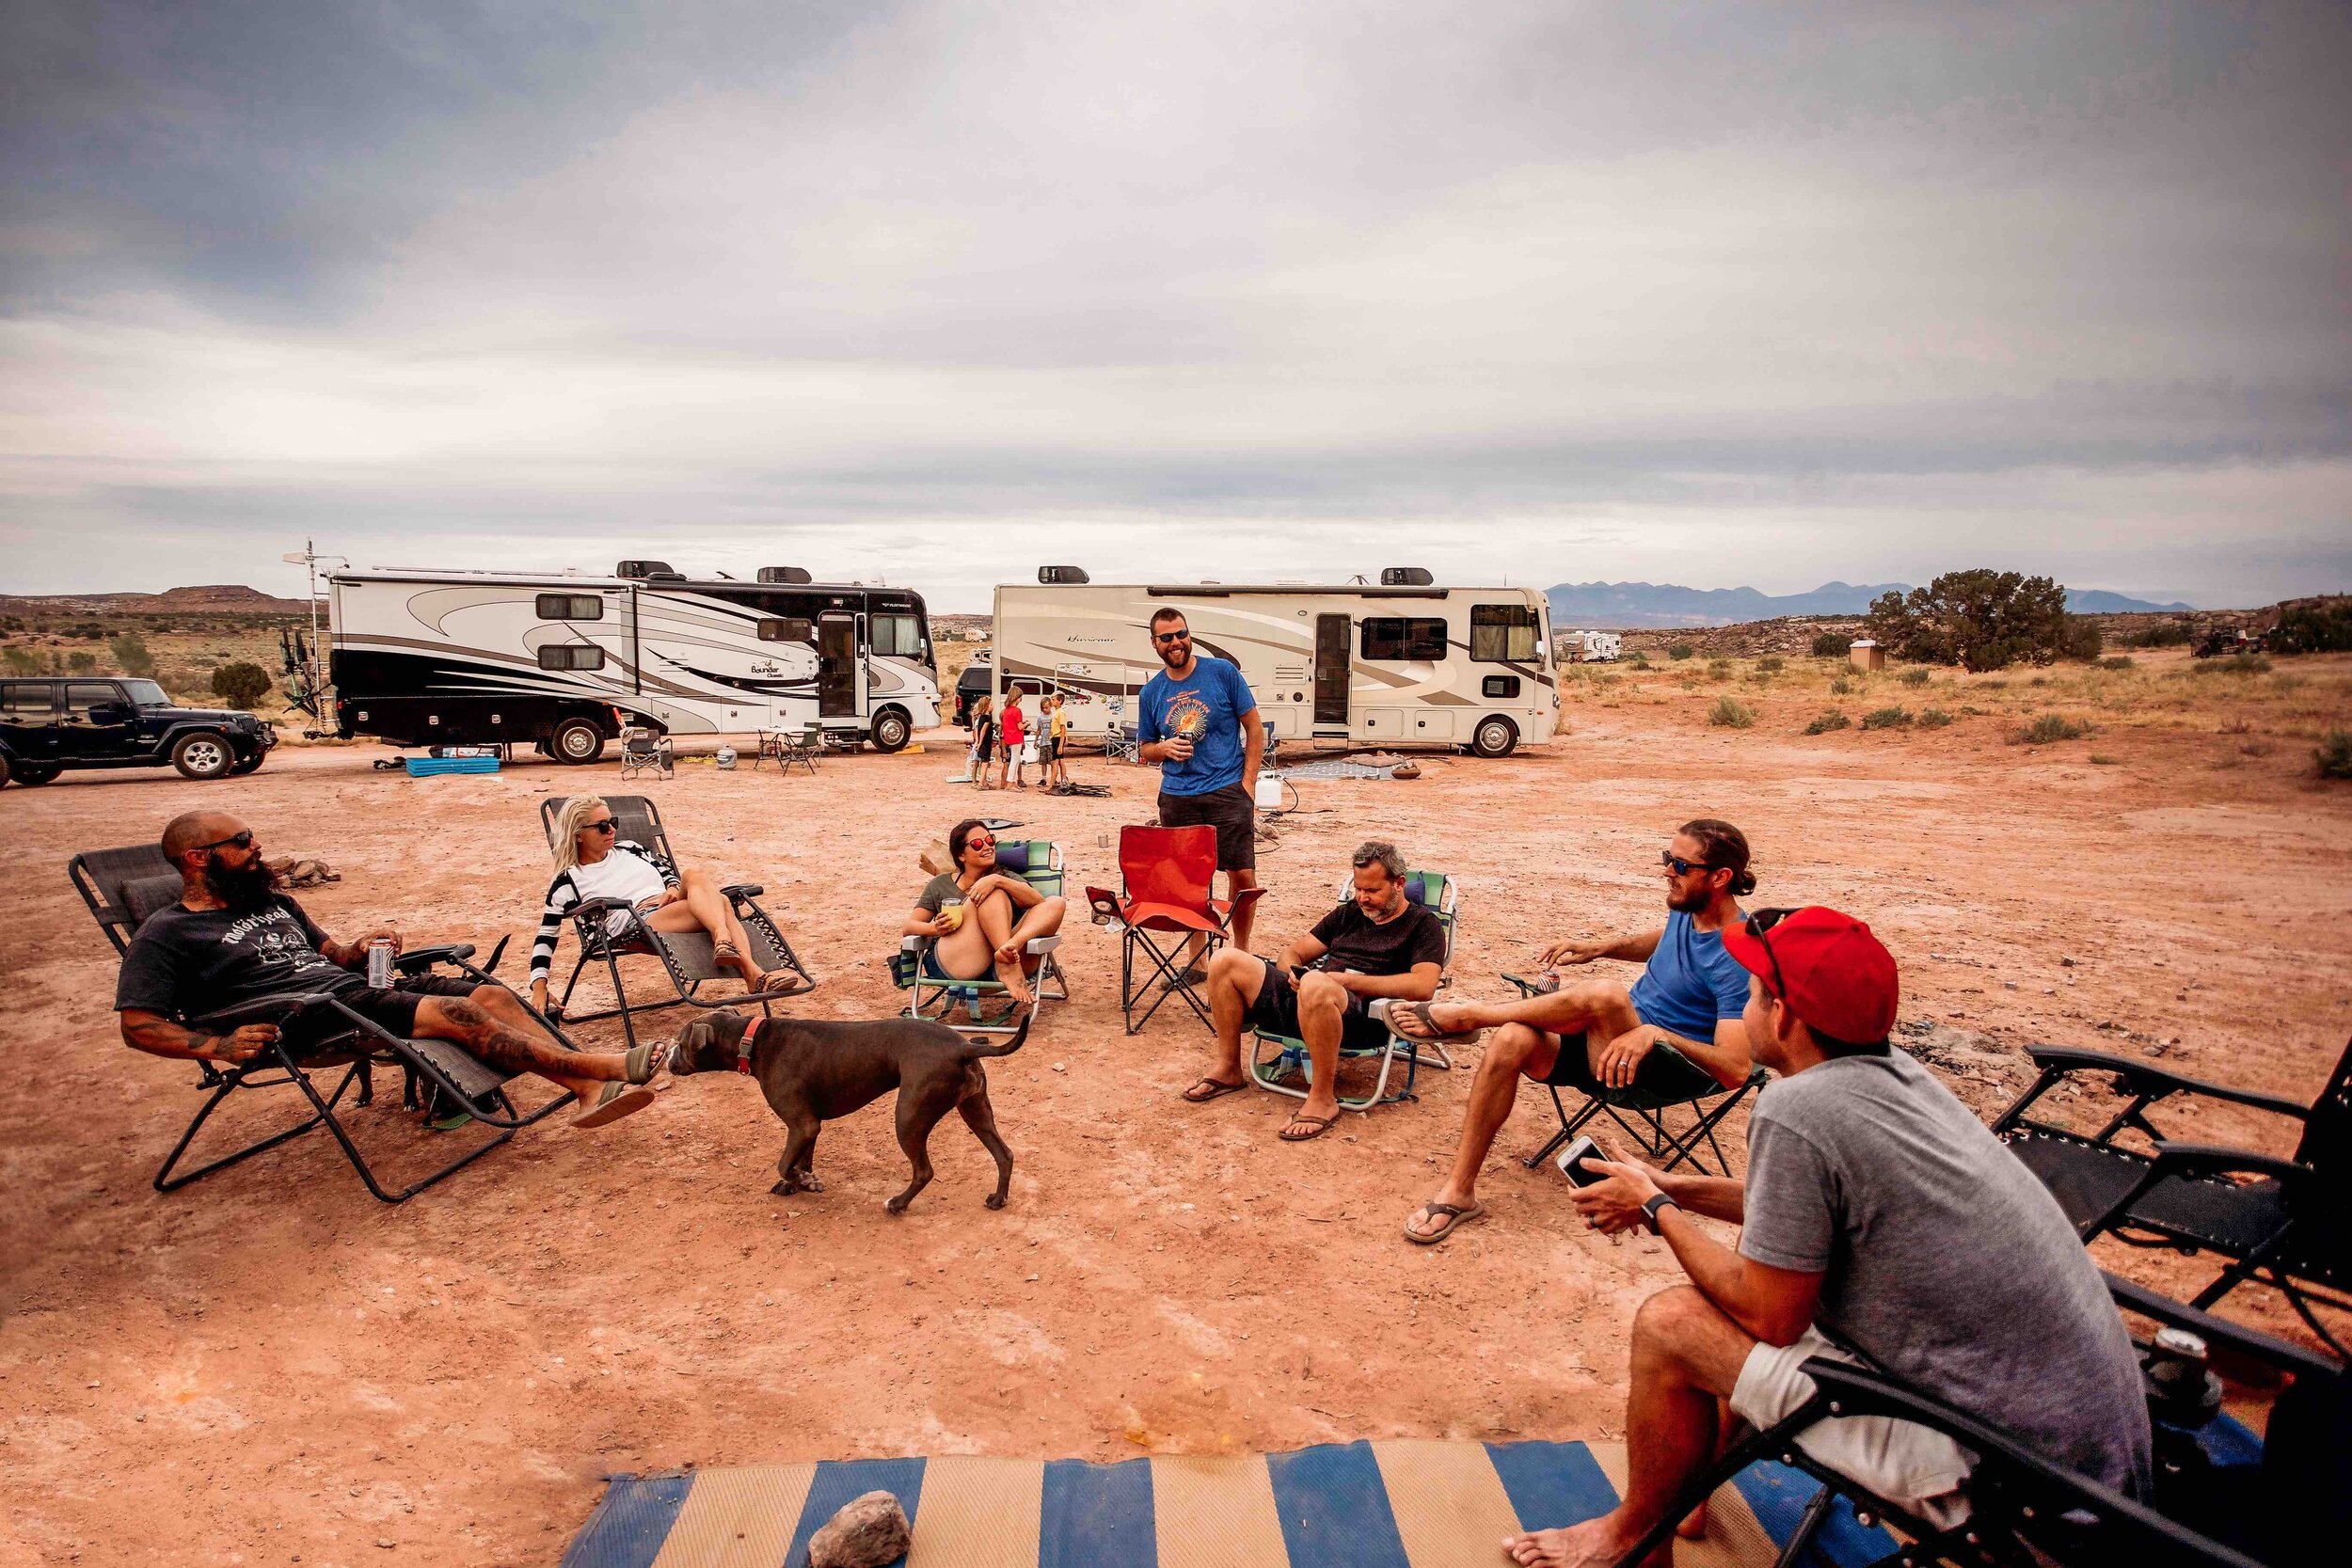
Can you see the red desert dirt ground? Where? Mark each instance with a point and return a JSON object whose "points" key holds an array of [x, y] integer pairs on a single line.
{"points": [[270, 1367]]}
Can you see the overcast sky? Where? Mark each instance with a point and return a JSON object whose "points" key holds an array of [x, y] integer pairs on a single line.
{"points": [[935, 293]]}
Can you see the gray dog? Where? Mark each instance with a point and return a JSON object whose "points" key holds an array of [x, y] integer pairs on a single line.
{"points": [[813, 1070]]}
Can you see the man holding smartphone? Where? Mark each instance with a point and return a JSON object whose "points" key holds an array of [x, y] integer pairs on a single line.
{"points": [[1201, 724], [1881, 1223]]}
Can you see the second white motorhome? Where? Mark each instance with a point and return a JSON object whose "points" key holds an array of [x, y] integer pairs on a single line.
{"points": [[1406, 663]]}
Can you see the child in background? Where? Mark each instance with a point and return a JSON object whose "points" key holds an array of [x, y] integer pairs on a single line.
{"points": [[1058, 738], [983, 738], [1011, 730]]}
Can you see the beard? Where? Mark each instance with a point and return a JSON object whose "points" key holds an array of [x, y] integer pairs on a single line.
{"points": [[246, 888], [1687, 903]]}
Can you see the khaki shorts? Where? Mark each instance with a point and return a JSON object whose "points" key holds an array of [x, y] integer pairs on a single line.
{"points": [[1914, 1467]]}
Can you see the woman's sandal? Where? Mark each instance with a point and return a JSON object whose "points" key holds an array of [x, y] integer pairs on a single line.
{"points": [[1217, 1087], [1418, 1011], [1316, 1127], [767, 985], [1455, 1215]]}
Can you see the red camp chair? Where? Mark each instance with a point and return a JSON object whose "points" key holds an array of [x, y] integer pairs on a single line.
{"points": [[1164, 879]]}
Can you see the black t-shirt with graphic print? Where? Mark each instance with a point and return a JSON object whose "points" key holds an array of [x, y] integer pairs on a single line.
{"points": [[191, 962], [1362, 945]]}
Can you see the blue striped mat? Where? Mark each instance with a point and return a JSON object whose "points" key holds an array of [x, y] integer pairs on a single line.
{"points": [[1395, 1504]]}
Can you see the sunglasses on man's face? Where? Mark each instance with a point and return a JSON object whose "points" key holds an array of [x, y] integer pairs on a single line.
{"points": [[1681, 867], [1759, 924], [1172, 637], [607, 826], [234, 841]]}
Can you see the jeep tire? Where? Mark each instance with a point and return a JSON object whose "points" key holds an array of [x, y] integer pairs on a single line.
{"points": [[575, 742], [202, 755]]}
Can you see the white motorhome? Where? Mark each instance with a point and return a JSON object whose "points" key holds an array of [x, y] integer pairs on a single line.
{"points": [[563, 661], [1596, 647], [1406, 663]]}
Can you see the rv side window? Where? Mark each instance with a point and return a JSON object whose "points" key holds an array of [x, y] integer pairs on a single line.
{"points": [[1421, 637], [1500, 685], [789, 628], [570, 656], [570, 607], [895, 636], [1501, 633]]}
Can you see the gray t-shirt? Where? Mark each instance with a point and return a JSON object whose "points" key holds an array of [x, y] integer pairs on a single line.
{"points": [[1946, 1261], [938, 891]]}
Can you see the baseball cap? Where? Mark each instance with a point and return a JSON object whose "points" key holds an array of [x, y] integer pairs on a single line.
{"points": [[1839, 978]]}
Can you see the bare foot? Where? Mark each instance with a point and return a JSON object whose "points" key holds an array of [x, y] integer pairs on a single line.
{"points": [[1593, 1544], [1693, 1525]]}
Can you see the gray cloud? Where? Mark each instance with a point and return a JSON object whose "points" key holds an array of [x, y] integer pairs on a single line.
{"points": [[1864, 291]]}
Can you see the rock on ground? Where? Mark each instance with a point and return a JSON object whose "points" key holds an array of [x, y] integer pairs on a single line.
{"points": [[868, 1533]]}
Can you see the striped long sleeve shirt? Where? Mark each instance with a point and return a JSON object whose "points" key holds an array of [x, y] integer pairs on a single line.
{"points": [[629, 872]]}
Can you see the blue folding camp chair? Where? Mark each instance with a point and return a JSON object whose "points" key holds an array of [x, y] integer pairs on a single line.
{"points": [[932, 995], [1432, 890]]}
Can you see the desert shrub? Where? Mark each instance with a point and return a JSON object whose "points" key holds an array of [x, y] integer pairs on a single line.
{"points": [[1729, 713], [2314, 629], [81, 664], [1887, 718], [1831, 719], [1832, 644], [131, 654], [2156, 634], [2234, 664], [1641, 661], [2332, 756], [1981, 620], [22, 661], [1771, 664], [88, 631], [2116, 662], [2256, 749], [1994, 686], [2050, 727], [1913, 677], [1681, 651], [242, 683], [2100, 759], [1934, 718], [1842, 687], [1719, 669], [2234, 726]]}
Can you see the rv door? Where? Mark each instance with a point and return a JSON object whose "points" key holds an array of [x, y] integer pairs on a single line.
{"points": [[1331, 672], [840, 674]]}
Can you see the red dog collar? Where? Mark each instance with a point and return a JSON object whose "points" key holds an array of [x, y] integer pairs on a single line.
{"points": [[744, 1050]]}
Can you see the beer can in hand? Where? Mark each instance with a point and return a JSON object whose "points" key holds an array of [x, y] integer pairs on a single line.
{"points": [[380, 963]]}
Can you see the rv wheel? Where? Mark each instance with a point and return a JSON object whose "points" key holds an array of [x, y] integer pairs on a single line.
{"points": [[576, 741], [1495, 738], [891, 730]]}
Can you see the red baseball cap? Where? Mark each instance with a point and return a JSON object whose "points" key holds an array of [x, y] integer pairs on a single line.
{"points": [[1827, 967]]}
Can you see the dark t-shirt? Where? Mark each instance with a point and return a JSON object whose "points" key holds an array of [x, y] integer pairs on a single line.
{"points": [[1357, 942], [196, 961]]}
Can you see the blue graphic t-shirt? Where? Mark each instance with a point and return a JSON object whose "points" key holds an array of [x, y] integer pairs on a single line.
{"points": [[1691, 983], [1206, 707]]}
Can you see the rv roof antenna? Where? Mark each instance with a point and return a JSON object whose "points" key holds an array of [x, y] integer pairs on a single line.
{"points": [[727, 576]]}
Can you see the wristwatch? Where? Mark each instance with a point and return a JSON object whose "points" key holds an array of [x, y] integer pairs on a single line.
{"points": [[1651, 1210]]}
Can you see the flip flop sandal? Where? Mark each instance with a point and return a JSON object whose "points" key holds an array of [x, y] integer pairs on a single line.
{"points": [[1454, 1215], [615, 1101], [1451, 1037], [1320, 1125], [1219, 1092], [645, 1060]]}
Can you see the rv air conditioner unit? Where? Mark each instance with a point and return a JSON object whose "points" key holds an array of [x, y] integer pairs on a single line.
{"points": [[1062, 574], [1405, 576], [785, 573], [647, 569]]}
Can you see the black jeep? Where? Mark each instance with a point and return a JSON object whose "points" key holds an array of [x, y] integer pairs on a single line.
{"points": [[50, 724]]}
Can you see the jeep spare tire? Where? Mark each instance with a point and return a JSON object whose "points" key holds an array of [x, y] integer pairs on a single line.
{"points": [[202, 755], [576, 741]]}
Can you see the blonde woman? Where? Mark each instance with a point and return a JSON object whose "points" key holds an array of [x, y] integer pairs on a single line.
{"points": [[592, 861]]}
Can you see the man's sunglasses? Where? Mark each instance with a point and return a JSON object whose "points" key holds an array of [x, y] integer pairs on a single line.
{"points": [[1681, 867], [607, 826], [234, 841], [1172, 637], [1759, 924]]}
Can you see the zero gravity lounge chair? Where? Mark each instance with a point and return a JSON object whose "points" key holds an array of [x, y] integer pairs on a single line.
{"points": [[123, 887], [687, 958]]}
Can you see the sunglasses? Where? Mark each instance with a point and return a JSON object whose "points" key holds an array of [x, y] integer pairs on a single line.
{"points": [[1172, 637], [607, 826], [1681, 867], [234, 841], [980, 841], [1759, 924]]}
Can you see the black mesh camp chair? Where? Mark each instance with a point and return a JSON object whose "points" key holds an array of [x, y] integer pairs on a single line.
{"points": [[2026, 1511], [123, 887], [1654, 1135], [686, 958], [2288, 1227]]}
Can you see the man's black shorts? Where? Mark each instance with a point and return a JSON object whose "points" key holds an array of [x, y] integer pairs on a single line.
{"points": [[1275, 1011], [1663, 1072], [393, 1010], [1229, 810]]}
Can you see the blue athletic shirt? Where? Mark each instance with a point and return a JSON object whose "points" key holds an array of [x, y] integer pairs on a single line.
{"points": [[1691, 983], [1207, 705]]}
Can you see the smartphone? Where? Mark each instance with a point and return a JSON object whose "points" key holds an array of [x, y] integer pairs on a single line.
{"points": [[1571, 1163]]}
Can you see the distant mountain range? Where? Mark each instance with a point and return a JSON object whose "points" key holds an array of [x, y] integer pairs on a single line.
{"points": [[1663, 603]]}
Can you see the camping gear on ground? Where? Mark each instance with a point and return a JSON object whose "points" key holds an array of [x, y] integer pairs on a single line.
{"points": [[724, 759], [2287, 1228], [688, 958], [1433, 890], [929, 994], [645, 749], [429, 768], [123, 887], [1165, 878], [301, 871]]}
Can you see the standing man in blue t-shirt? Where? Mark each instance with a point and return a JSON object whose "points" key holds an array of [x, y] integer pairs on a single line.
{"points": [[1675, 1033], [1201, 724]]}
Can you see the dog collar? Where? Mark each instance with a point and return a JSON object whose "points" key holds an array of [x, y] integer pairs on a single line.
{"points": [[743, 1048]]}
